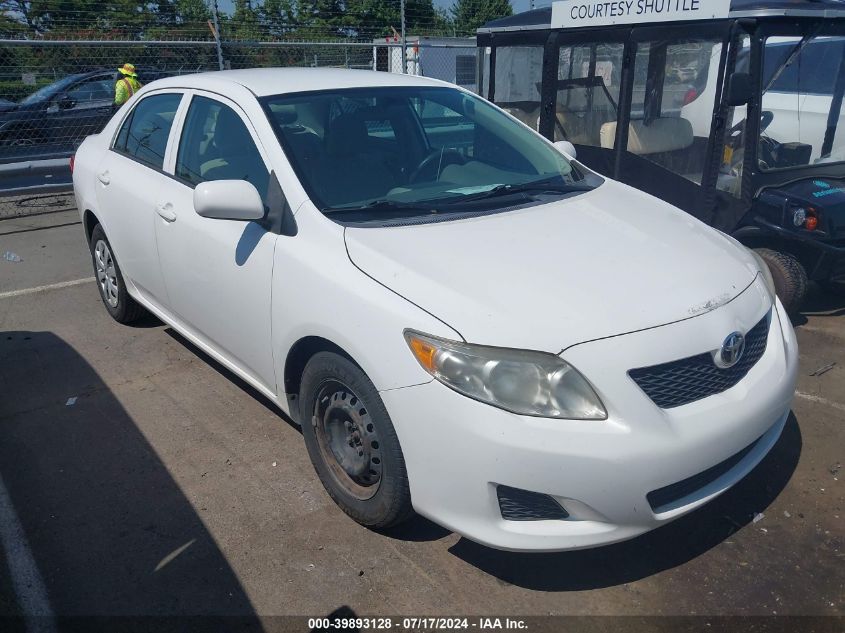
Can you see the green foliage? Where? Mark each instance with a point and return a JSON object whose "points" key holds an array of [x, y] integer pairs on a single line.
{"points": [[250, 20], [468, 15]]}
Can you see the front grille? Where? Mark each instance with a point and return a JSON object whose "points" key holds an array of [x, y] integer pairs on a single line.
{"points": [[516, 504], [690, 379], [662, 497]]}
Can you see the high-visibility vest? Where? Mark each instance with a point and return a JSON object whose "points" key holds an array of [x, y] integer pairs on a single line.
{"points": [[130, 87]]}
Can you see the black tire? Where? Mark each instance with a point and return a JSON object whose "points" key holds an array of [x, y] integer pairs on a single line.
{"points": [[118, 303], [836, 288], [342, 413], [789, 276]]}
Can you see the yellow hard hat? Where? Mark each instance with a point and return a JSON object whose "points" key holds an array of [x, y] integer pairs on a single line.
{"points": [[127, 69]]}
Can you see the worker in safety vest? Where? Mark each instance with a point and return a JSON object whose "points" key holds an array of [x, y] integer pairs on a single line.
{"points": [[126, 84]]}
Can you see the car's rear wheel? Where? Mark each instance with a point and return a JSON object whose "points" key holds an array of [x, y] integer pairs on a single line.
{"points": [[122, 307], [352, 443], [789, 276]]}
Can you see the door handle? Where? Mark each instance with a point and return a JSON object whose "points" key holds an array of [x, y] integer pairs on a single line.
{"points": [[166, 212], [104, 177]]}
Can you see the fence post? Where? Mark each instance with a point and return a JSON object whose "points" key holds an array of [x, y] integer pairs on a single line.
{"points": [[404, 49], [214, 12]]}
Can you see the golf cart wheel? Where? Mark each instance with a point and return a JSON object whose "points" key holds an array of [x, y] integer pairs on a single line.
{"points": [[118, 303], [789, 276], [352, 443]]}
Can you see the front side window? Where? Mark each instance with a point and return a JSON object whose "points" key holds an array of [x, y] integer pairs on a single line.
{"points": [[420, 150], [216, 145], [143, 135], [799, 76], [94, 90]]}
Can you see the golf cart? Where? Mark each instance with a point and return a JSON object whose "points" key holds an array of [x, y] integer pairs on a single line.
{"points": [[728, 109]]}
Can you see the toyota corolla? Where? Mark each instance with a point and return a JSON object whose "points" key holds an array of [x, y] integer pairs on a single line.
{"points": [[465, 321]]}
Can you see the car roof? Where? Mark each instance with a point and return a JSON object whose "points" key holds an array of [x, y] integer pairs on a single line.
{"points": [[264, 82], [542, 18]]}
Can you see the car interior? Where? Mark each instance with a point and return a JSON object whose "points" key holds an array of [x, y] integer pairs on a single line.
{"points": [[367, 149]]}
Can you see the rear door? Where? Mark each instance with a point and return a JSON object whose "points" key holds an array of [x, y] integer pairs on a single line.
{"points": [[128, 179], [218, 273]]}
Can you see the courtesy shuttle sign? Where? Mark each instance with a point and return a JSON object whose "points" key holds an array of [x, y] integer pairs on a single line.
{"points": [[580, 13]]}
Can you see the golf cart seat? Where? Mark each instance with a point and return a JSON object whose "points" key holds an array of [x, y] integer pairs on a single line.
{"points": [[581, 128], [665, 134], [531, 118]]}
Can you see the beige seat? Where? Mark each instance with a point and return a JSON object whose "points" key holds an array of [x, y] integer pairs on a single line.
{"points": [[531, 119], [581, 128], [661, 135]]}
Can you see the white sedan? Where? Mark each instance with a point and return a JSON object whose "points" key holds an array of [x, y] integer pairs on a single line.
{"points": [[466, 322]]}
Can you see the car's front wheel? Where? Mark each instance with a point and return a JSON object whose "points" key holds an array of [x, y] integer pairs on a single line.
{"points": [[352, 442], [122, 307]]}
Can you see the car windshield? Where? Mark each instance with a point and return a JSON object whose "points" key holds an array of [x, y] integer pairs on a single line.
{"points": [[48, 91], [801, 118], [377, 151]]}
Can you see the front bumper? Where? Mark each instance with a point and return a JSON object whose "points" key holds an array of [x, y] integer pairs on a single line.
{"points": [[458, 450]]}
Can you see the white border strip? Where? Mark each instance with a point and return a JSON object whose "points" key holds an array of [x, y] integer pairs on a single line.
{"points": [[30, 291], [819, 399], [27, 583]]}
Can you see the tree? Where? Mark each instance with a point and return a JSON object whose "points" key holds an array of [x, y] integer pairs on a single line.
{"points": [[468, 15]]}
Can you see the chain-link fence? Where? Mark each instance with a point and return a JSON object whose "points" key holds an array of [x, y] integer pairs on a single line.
{"points": [[59, 60], [55, 93]]}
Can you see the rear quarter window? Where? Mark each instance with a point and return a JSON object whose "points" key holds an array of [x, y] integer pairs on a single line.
{"points": [[143, 135]]}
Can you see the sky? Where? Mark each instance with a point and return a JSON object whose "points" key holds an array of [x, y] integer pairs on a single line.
{"points": [[518, 5]]}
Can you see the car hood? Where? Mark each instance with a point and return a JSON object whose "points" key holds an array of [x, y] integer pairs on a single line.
{"points": [[7, 106], [598, 264]]}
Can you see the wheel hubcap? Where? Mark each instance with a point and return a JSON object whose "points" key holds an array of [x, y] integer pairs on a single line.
{"points": [[106, 275], [348, 439]]}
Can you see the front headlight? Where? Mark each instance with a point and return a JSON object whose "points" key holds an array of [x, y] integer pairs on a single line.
{"points": [[523, 382], [763, 267]]}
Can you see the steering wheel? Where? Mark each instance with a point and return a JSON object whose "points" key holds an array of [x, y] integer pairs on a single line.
{"points": [[766, 119], [439, 157]]}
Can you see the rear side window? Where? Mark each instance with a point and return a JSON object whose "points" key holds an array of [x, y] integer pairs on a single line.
{"points": [[216, 145], [144, 134]]}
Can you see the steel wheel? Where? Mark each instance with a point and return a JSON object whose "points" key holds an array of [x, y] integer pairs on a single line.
{"points": [[106, 275], [347, 439]]}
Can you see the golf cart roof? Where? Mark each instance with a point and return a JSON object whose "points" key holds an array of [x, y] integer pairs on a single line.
{"points": [[542, 18]]}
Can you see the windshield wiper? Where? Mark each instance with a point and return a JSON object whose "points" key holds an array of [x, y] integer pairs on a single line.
{"points": [[543, 186], [392, 206]]}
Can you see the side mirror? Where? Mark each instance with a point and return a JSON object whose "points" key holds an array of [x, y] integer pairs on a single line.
{"points": [[65, 102], [566, 148], [228, 200], [739, 89]]}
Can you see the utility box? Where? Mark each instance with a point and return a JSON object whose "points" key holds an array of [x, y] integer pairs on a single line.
{"points": [[452, 59]]}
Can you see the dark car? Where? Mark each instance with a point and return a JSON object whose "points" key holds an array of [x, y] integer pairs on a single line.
{"points": [[57, 117]]}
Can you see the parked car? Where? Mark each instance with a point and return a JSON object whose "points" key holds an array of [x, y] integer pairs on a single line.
{"points": [[736, 117], [464, 321], [59, 115]]}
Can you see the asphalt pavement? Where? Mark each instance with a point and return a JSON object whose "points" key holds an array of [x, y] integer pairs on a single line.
{"points": [[141, 478]]}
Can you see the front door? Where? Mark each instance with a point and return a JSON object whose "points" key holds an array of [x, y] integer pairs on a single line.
{"points": [[82, 110], [218, 273]]}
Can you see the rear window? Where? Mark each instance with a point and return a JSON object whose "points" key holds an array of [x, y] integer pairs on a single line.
{"points": [[144, 133]]}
